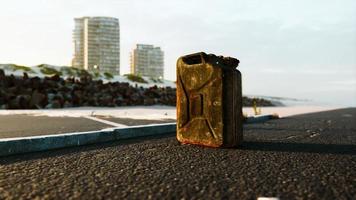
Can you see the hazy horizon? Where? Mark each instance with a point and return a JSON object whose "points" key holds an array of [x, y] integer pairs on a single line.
{"points": [[298, 49]]}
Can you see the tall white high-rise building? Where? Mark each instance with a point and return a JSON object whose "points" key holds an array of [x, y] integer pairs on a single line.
{"points": [[97, 44], [147, 60]]}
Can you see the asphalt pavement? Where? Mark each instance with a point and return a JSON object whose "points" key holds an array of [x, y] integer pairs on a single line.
{"points": [[310, 156]]}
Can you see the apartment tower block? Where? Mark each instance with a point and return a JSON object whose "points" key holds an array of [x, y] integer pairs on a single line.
{"points": [[97, 44], [147, 60]]}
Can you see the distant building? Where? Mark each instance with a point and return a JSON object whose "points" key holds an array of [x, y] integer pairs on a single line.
{"points": [[147, 60], [97, 44]]}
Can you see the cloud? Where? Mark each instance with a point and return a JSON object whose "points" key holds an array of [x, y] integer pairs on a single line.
{"points": [[350, 82]]}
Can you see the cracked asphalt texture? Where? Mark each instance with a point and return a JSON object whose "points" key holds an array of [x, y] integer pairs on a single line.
{"points": [[310, 156]]}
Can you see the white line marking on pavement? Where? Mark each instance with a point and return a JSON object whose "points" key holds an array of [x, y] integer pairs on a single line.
{"points": [[267, 198], [82, 133], [105, 121], [47, 136]]}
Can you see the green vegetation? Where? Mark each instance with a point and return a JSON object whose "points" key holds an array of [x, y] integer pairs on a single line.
{"points": [[41, 65], [156, 80], [49, 71], [76, 72], [82, 72], [14, 68], [96, 75], [135, 78], [68, 71], [108, 75]]}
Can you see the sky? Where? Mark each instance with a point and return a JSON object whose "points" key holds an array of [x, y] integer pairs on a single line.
{"points": [[287, 48]]}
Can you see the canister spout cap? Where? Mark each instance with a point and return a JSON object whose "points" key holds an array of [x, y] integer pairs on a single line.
{"points": [[227, 61], [231, 62]]}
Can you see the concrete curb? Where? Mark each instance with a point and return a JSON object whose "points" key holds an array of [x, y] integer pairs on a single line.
{"points": [[11, 146]]}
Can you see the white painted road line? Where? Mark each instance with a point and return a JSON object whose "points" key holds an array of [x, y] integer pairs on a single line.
{"points": [[106, 122], [86, 132], [267, 198]]}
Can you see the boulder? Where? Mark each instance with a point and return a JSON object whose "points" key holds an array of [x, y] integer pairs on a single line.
{"points": [[55, 78], [25, 76], [67, 104], [38, 100], [2, 73], [53, 104], [24, 101], [35, 83]]}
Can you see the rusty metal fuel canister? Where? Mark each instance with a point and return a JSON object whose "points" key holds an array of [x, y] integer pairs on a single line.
{"points": [[209, 100]]}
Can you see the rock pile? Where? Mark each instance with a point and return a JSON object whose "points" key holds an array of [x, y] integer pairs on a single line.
{"points": [[55, 92], [259, 102]]}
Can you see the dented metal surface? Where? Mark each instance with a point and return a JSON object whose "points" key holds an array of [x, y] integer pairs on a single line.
{"points": [[209, 100]]}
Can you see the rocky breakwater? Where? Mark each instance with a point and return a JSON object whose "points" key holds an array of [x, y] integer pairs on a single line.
{"points": [[250, 102], [55, 92]]}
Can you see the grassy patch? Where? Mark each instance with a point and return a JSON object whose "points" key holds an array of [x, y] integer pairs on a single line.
{"points": [[14, 68], [49, 71], [156, 80], [41, 65], [108, 75], [68, 71], [135, 78], [82, 72], [76, 72], [96, 75]]}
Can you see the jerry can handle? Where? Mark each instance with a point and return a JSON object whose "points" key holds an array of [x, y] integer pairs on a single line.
{"points": [[194, 59]]}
